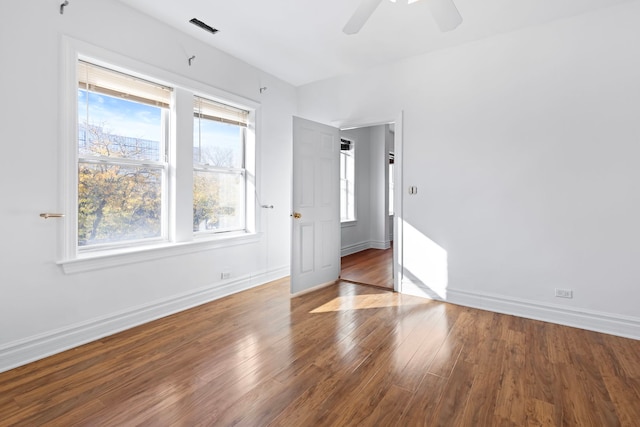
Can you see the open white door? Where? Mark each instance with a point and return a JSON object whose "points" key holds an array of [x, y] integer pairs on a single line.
{"points": [[315, 229]]}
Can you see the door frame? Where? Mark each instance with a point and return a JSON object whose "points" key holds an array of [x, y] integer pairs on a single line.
{"points": [[398, 193]]}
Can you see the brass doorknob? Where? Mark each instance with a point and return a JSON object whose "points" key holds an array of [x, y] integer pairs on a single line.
{"points": [[297, 215]]}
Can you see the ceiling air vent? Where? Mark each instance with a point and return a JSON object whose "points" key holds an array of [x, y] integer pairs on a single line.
{"points": [[202, 25]]}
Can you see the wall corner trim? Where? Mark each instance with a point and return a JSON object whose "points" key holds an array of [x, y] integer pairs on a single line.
{"points": [[608, 323]]}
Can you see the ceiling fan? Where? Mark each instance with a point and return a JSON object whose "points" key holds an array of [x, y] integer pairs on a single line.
{"points": [[444, 12]]}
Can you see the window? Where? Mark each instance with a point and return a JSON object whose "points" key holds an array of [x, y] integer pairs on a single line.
{"points": [[136, 154], [122, 167], [347, 181], [219, 135], [391, 182]]}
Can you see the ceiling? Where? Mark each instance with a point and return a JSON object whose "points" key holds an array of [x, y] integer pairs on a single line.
{"points": [[301, 41]]}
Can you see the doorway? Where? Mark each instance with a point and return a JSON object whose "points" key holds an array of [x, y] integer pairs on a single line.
{"points": [[369, 267], [367, 230]]}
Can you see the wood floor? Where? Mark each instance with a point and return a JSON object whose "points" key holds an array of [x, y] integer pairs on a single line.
{"points": [[345, 355], [371, 267]]}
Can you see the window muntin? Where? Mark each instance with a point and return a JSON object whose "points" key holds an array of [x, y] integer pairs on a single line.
{"points": [[347, 181], [122, 167], [219, 177]]}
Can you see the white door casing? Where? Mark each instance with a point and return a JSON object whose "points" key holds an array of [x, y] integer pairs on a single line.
{"points": [[398, 195], [315, 232]]}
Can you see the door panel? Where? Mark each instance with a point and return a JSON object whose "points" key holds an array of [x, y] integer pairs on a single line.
{"points": [[315, 249], [306, 248], [306, 194], [327, 192], [326, 243]]}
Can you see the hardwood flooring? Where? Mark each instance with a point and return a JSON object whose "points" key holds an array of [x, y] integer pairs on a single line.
{"points": [[370, 267], [345, 355]]}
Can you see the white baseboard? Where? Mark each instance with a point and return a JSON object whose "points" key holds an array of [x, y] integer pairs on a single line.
{"points": [[352, 249], [273, 274], [315, 288], [377, 244], [608, 323], [30, 349], [357, 247]]}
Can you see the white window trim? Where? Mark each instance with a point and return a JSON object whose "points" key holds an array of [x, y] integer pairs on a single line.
{"points": [[181, 239], [352, 221], [247, 146], [132, 255]]}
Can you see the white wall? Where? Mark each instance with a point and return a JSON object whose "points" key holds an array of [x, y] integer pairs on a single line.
{"points": [[524, 148], [42, 309]]}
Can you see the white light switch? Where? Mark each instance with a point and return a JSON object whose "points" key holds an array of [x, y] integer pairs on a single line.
{"points": [[413, 190]]}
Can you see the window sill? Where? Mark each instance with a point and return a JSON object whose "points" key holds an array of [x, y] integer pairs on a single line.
{"points": [[115, 258], [351, 223]]}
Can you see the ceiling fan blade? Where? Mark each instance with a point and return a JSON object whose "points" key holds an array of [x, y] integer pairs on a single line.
{"points": [[445, 13], [360, 16]]}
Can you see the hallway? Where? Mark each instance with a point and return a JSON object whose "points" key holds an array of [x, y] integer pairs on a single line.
{"points": [[371, 267]]}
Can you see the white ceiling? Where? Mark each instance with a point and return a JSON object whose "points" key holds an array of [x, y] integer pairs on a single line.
{"points": [[301, 41]]}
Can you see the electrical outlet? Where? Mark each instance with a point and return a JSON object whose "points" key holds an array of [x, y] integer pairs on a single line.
{"points": [[225, 275], [564, 293]]}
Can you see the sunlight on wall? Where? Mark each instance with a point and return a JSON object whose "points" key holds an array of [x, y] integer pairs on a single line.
{"points": [[425, 268]]}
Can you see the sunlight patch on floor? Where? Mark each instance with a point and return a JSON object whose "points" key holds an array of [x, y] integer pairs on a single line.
{"points": [[360, 302]]}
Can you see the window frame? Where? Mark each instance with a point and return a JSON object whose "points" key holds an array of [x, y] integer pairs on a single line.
{"points": [[391, 170], [199, 166], [351, 142], [180, 238], [162, 165]]}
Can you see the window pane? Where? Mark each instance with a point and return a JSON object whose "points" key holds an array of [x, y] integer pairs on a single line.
{"points": [[218, 144], [115, 127], [118, 203], [218, 201]]}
